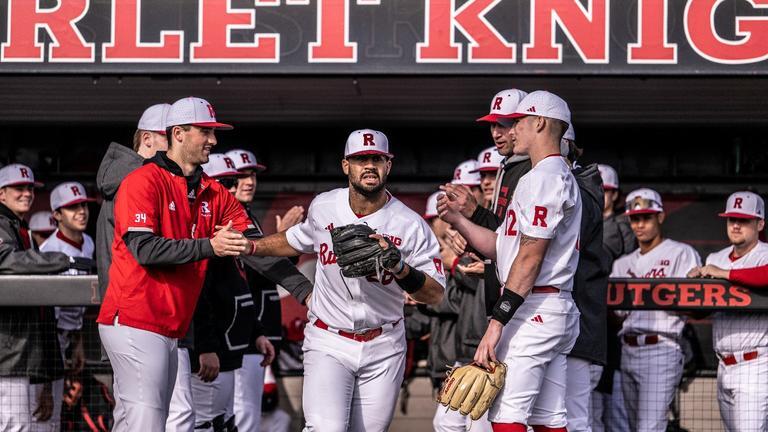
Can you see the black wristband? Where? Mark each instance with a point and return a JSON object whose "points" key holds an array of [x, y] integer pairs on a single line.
{"points": [[413, 281], [506, 306]]}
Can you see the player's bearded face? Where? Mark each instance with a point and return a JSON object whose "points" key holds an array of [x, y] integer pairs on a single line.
{"points": [[367, 174], [502, 134], [197, 144], [74, 217], [743, 232], [18, 199]]}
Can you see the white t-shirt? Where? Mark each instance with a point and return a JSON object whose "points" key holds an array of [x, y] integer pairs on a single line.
{"points": [[546, 204], [69, 317], [358, 304], [669, 259], [739, 331]]}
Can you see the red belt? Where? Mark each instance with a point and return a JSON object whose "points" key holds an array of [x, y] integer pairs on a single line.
{"points": [[359, 337], [730, 359], [545, 290], [633, 340]]}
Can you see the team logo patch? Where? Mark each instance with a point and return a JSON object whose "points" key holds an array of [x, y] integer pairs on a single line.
{"points": [[538, 319], [172, 206], [505, 306], [204, 210]]}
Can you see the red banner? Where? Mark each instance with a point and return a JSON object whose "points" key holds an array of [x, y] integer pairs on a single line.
{"points": [[683, 294]]}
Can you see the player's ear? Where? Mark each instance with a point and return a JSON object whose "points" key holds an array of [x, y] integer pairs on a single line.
{"points": [[345, 166], [660, 217], [760, 225], [389, 165], [57, 215]]}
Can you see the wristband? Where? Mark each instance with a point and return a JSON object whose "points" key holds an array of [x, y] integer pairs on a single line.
{"points": [[506, 306], [400, 268], [413, 281]]}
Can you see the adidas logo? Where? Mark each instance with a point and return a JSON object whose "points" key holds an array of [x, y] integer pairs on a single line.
{"points": [[531, 109], [537, 319], [172, 206]]}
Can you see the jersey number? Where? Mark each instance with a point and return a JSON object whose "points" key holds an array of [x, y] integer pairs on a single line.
{"points": [[511, 222], [140, 217]]}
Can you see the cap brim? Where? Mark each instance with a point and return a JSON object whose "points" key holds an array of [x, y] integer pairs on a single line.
{"points": [[642, 211], [226, 174], [484, 169], [214, 125], [459, 182], [493, 118], [23, 183], [610, 187], [77, 201], [738, 215], [370, 152]]}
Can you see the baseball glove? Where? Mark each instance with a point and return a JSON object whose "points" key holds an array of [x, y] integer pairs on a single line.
{"points": [[359, 255], [471, 389]]}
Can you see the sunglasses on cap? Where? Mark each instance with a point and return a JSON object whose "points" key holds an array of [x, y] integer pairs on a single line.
{"points": [[639, 203], [227, 182]]}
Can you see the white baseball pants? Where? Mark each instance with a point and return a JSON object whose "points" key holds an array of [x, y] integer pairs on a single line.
{"points": [[144, 365], [583, 377], [181, 413], [249, 387], [19, 400], [534, 345], [650, 377], [350, 385], [275, 421], [742, 393]]}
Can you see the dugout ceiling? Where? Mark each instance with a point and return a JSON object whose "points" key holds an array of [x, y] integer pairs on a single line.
{"points": [[383, 100]]}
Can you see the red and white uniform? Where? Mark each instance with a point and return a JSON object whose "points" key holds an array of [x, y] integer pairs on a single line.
{"points": [[350, 384], [741, 343], [651, 357], [534, 344]]}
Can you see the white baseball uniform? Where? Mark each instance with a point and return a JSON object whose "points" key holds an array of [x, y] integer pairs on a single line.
{"points": [[651, 357], [741, 340], [67, 318], [249, 388], [546, 204], [350, 384]]}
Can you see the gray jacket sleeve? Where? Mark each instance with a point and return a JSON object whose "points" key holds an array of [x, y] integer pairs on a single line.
{"points": [[149, 249], [30, 261], [282, 272], [485, 218]]}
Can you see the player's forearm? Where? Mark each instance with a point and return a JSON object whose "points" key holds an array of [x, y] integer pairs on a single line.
{"points": [[755, 277], [273, 245], [430, 293], [481, 239]]}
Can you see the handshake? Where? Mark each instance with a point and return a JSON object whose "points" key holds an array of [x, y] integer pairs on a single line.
{"points": [[227, 241]]}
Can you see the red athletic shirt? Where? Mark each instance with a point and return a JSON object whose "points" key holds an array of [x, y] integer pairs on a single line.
{"points": [[755, 277], [162, 298]]}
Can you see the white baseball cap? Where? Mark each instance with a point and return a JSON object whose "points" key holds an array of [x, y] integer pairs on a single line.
{"points": [[220, 165], [17, 175], [155, 118], [466, 174], [42, 221], [488, 160], [503, 105], [194, 111], [744, 205], [367, 142], [609, 176], [431, 211], [244, 159], [643, 201], [545, 104], [67, 194]]}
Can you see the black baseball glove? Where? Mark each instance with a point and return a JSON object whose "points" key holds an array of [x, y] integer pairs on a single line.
{"points": [[359, 255]]}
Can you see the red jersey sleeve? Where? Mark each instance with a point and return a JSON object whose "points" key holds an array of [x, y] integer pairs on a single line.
{"points": [[136, 205], [233, 211], [756, 277]]}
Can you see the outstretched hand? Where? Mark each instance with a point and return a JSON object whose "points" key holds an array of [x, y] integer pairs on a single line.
{"points": [[227, 241]]}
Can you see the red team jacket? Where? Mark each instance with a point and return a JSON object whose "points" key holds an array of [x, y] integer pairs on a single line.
{"points": [[162, 298]]}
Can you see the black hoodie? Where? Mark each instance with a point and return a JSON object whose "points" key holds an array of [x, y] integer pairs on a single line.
{"points": [[591, 283]]}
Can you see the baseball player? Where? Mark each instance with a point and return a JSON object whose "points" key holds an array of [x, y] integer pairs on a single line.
{"points": [[354, 346], [488, 163], [741, 339], [115, 166], [466, 173], [41, 225], [262, 273], [535, 321], [503, 106], [651, 357], [31, 360], [169, 219], [618, 238]]}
